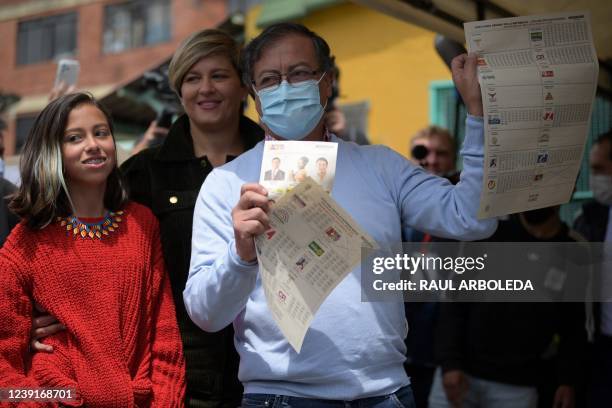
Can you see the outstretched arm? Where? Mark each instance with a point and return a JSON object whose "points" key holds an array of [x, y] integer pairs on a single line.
{"points": [[433, 204]]}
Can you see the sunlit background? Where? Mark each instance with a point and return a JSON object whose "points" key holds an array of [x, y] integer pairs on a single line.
{"points": [[392, 82]]}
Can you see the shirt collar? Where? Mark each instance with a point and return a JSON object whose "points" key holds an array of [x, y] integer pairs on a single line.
{"points": [[326, 136]]}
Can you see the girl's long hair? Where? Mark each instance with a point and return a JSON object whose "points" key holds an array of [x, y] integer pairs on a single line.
{"points": [[43, 194]]}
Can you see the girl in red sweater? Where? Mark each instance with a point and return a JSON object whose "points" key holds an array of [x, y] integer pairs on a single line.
{"points": [[92, 260]]}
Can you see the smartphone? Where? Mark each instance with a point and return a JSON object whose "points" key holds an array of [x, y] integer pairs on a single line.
{"points": [[67, 71], [164, 119]]}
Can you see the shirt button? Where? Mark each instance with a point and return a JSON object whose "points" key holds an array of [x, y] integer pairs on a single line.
{"points": [[173, 200], [203, 163]]}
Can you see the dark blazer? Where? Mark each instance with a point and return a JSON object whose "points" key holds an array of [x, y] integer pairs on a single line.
{"points": [[7, 219], [167, 179], [506, 342], [593, 221]]}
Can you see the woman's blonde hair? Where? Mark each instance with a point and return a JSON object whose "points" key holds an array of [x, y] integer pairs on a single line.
{"points": [[202, 44], [43, 194]]}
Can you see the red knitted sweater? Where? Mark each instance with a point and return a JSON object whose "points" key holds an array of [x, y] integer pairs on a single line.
{"points": [[122, 346]]}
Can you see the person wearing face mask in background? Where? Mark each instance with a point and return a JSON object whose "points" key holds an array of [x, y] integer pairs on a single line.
{"points": [[7, 219], [595, 223], [353, 351], [495, 355]]}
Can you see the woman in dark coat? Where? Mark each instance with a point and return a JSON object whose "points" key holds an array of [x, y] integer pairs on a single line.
{"points": [[204, 72]]}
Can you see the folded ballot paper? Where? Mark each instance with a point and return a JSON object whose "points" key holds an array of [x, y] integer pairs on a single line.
{"points": [[311, 246]]}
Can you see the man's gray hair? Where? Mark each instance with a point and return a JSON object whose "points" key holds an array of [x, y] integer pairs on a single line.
{"points": [[272, 34]]}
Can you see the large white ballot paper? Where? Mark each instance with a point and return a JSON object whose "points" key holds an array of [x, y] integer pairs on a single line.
{"points": [[538, 77], [311, 246]]}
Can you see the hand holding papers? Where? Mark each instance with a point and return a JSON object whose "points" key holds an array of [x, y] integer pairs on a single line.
{"points": [[250, 218], [463, 68], [538, 78], [312, 244]]}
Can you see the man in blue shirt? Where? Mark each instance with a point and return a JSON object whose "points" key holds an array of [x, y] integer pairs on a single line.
{"points": [[353, 351]]}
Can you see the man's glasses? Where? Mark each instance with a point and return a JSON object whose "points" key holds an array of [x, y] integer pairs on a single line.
{"points": [[271, 81]]}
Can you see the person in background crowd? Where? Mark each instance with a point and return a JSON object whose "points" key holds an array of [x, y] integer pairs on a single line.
{"points": [[335, 119], [433, 148], [154, 136], [93, 260], [7, 219], [595, 223], [437, 156], [491, 355], [353, 351]]}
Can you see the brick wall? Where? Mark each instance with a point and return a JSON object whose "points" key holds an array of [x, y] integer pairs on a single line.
{"points": [[97, 68]]}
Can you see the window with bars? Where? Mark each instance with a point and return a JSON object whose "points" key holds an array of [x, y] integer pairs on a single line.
{"points": [[47, 38], [135, 24]]}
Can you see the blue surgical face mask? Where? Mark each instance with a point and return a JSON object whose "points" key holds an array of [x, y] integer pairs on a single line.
{"points": [[292, 111]]}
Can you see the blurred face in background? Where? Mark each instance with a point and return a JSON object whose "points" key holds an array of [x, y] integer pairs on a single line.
{"points": [[335, 121], [211, 93], [440, 157]]}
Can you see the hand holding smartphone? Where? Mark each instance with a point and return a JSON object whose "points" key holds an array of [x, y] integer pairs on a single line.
{"points": [[164, 119], [67, 72]]}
